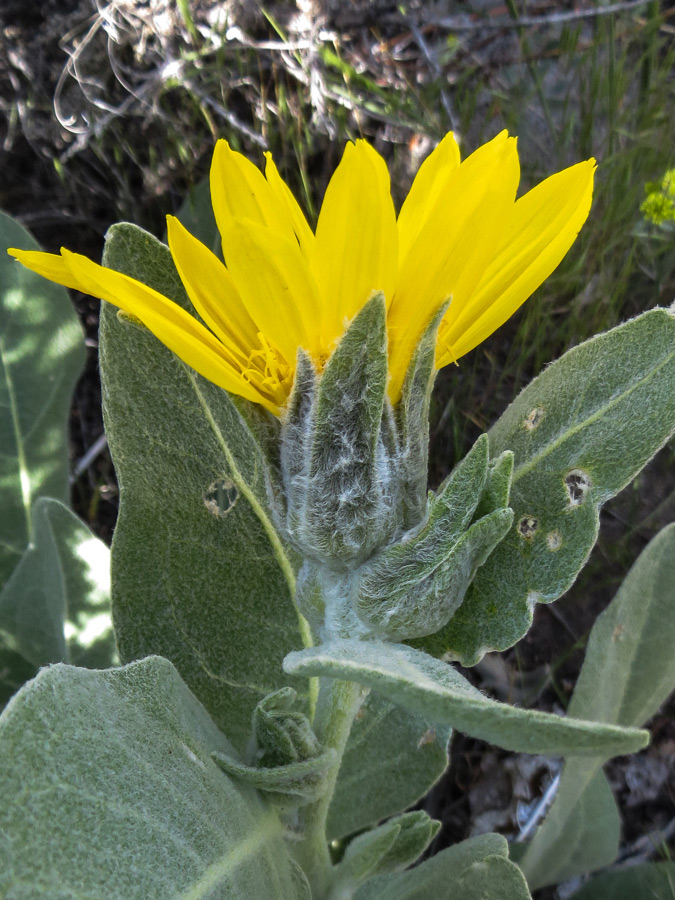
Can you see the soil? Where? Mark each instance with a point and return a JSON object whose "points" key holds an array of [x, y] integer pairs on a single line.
{"points": [[72, 199]]}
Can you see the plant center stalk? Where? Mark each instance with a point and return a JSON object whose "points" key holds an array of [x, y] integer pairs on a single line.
{"points": [[336, 706]]}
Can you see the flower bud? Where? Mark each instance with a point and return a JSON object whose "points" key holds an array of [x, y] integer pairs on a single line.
{"points": [[338, 451]]}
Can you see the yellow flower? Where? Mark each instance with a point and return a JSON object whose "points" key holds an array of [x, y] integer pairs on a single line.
{"points": [[460, 235]]}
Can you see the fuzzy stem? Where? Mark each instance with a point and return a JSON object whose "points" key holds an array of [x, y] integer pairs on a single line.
{"points": [[336, 707]]}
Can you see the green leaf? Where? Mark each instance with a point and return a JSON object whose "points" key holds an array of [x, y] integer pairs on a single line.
{"points": [[15, 669], [393, 757], [477, 869], [412, 416], [293, 784], [389, 848], [343, 505], [629, 669], [400, 567], [416, 830], [411, 588], [591, 832], [112, 793], [352, 393], [651, 881], [364, 853], [434, 689], [580, 432], [56, 604], [295, 446], [410, 591], [498, 487], [199, 572], [196, 214], [281, 733], [41, 357], [628, 672]]}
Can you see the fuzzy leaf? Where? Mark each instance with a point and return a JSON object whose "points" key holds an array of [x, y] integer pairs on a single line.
{"points": [[629, 671], [363, 854], [477, 869], [651, 881], [352, 391], [121, 761], [56, 604], [416, 831], [41, 357], [293, 784], [412, 417], [434, 689], [389, 848], [393, 757], [282, 734], [295, 445], [592, 830], [407, 601], [580, 432], [412, 587], [310, 594], [344, 503], [199, 573], [456, 499], [498, 486]]}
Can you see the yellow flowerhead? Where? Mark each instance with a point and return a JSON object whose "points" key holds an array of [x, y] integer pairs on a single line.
{"points": [[461, 235]]}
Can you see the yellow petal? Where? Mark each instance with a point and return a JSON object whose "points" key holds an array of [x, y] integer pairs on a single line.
{"points": [[356, 239], [428, 185], [276, 286], [212, 291], [239, 190], [171, 324], [544, 225], [453, 247], [50, 265], [285, 198]]}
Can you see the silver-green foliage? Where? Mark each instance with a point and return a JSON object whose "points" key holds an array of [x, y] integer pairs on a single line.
{"points": [[285, 761], [125, 799], [41, 357], [196, 482], [590, 827], [281, 733], [412, 588], [579, 433], [291, 785], [433, 688], [389, 848], [412, 420], [476, 869], [628, 672], [193, 514], [56, 605], [651, 881], [393, 757]]}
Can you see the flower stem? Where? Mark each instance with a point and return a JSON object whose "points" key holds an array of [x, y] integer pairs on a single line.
{"points": [[336, 707]]}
